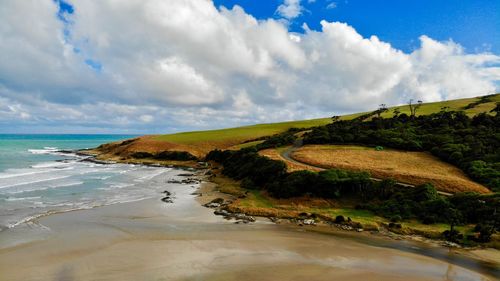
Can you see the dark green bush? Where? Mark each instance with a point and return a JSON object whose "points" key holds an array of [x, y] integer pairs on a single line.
{"points": [[175, 155], [141, 155], [339, 219], [165, 155]]}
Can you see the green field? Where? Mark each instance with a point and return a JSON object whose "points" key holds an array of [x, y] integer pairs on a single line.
{"points": [[233, 136], [240, 133]]}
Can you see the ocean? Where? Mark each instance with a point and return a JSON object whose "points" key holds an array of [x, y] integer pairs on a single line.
{"points": [[36, 179]]}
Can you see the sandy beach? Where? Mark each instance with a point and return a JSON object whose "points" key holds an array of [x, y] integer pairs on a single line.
{"points": [[152, 240]]}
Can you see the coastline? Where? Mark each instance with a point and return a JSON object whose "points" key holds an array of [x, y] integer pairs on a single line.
{"points": [[151, 229], [137, 240], [210, 190], [144, 241]]}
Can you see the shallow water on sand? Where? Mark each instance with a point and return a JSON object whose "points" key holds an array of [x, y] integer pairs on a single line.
{"points": [[37, 179], [152, 240]]}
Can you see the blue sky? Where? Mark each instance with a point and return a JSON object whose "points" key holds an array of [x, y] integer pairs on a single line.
{"points": [[473, 24], [156, 66]]}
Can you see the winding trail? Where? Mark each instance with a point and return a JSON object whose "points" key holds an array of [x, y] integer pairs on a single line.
{"points": [[286, 155]]}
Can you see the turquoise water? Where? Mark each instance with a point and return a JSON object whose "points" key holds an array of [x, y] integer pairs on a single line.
{"points": [[14, 149], [37, 179]]}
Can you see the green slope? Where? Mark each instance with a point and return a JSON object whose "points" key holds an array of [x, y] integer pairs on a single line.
{"points": [[240, 134]]}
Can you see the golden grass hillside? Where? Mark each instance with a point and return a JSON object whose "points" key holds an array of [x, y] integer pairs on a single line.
{"points": [[124, 149], [407, 167]]}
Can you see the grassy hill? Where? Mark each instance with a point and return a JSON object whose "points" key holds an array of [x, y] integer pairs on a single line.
{"points": [[199, 143], [236, 135], [231, 136]]}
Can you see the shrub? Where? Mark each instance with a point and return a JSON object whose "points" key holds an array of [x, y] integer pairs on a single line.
{"points": [[165, 155], [175, 155], [339, 219], [452, 235], [485, 233], [396, 218], [141, 155], [248, 184]]}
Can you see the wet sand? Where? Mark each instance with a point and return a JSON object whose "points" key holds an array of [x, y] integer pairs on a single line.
{"points": [[151, 240]]}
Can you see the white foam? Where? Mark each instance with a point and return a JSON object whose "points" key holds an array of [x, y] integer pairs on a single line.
{"points": [[79, 206], [67, 184], [54, 151], [22, 198], [46, 150], [14, 174], [111, 184], [152, 175], [45, 188], [100, 178], [68, 154], [32, 182], [51, 165]]}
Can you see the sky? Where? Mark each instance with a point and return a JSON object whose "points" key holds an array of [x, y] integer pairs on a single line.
{"points": [[153, 66]]}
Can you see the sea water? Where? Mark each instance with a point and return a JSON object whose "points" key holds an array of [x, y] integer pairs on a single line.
{"points": [[36, 179]]}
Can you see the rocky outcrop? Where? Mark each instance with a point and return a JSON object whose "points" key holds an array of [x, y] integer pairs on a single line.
{"points": [[168, 197], [219, 205], [185, 181]]}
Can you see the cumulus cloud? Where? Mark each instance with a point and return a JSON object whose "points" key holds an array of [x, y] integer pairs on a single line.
{"points": [[157, 66], [444, 71], [290, 9]]}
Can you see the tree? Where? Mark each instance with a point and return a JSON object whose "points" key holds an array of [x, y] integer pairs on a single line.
{"points": [[396, 112], [414, 107], [381, 109], [453, 217], [496, 109]]}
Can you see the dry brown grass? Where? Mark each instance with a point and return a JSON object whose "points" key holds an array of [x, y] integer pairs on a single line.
{"points": [[152, 145], [408, 167], [291, 166]]}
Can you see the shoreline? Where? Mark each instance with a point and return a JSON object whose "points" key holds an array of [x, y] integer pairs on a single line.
{"points": [[210, 189], [91, 157], [75, 252], [93, 236], [483, 254]]}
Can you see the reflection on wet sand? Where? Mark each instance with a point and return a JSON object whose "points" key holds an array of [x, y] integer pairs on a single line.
{"points": [[151, 240]]}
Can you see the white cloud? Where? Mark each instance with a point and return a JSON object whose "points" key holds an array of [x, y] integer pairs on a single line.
{"points": [[290, 9], [186, 65], [443, 71], [146, 118], [331, 5]]}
